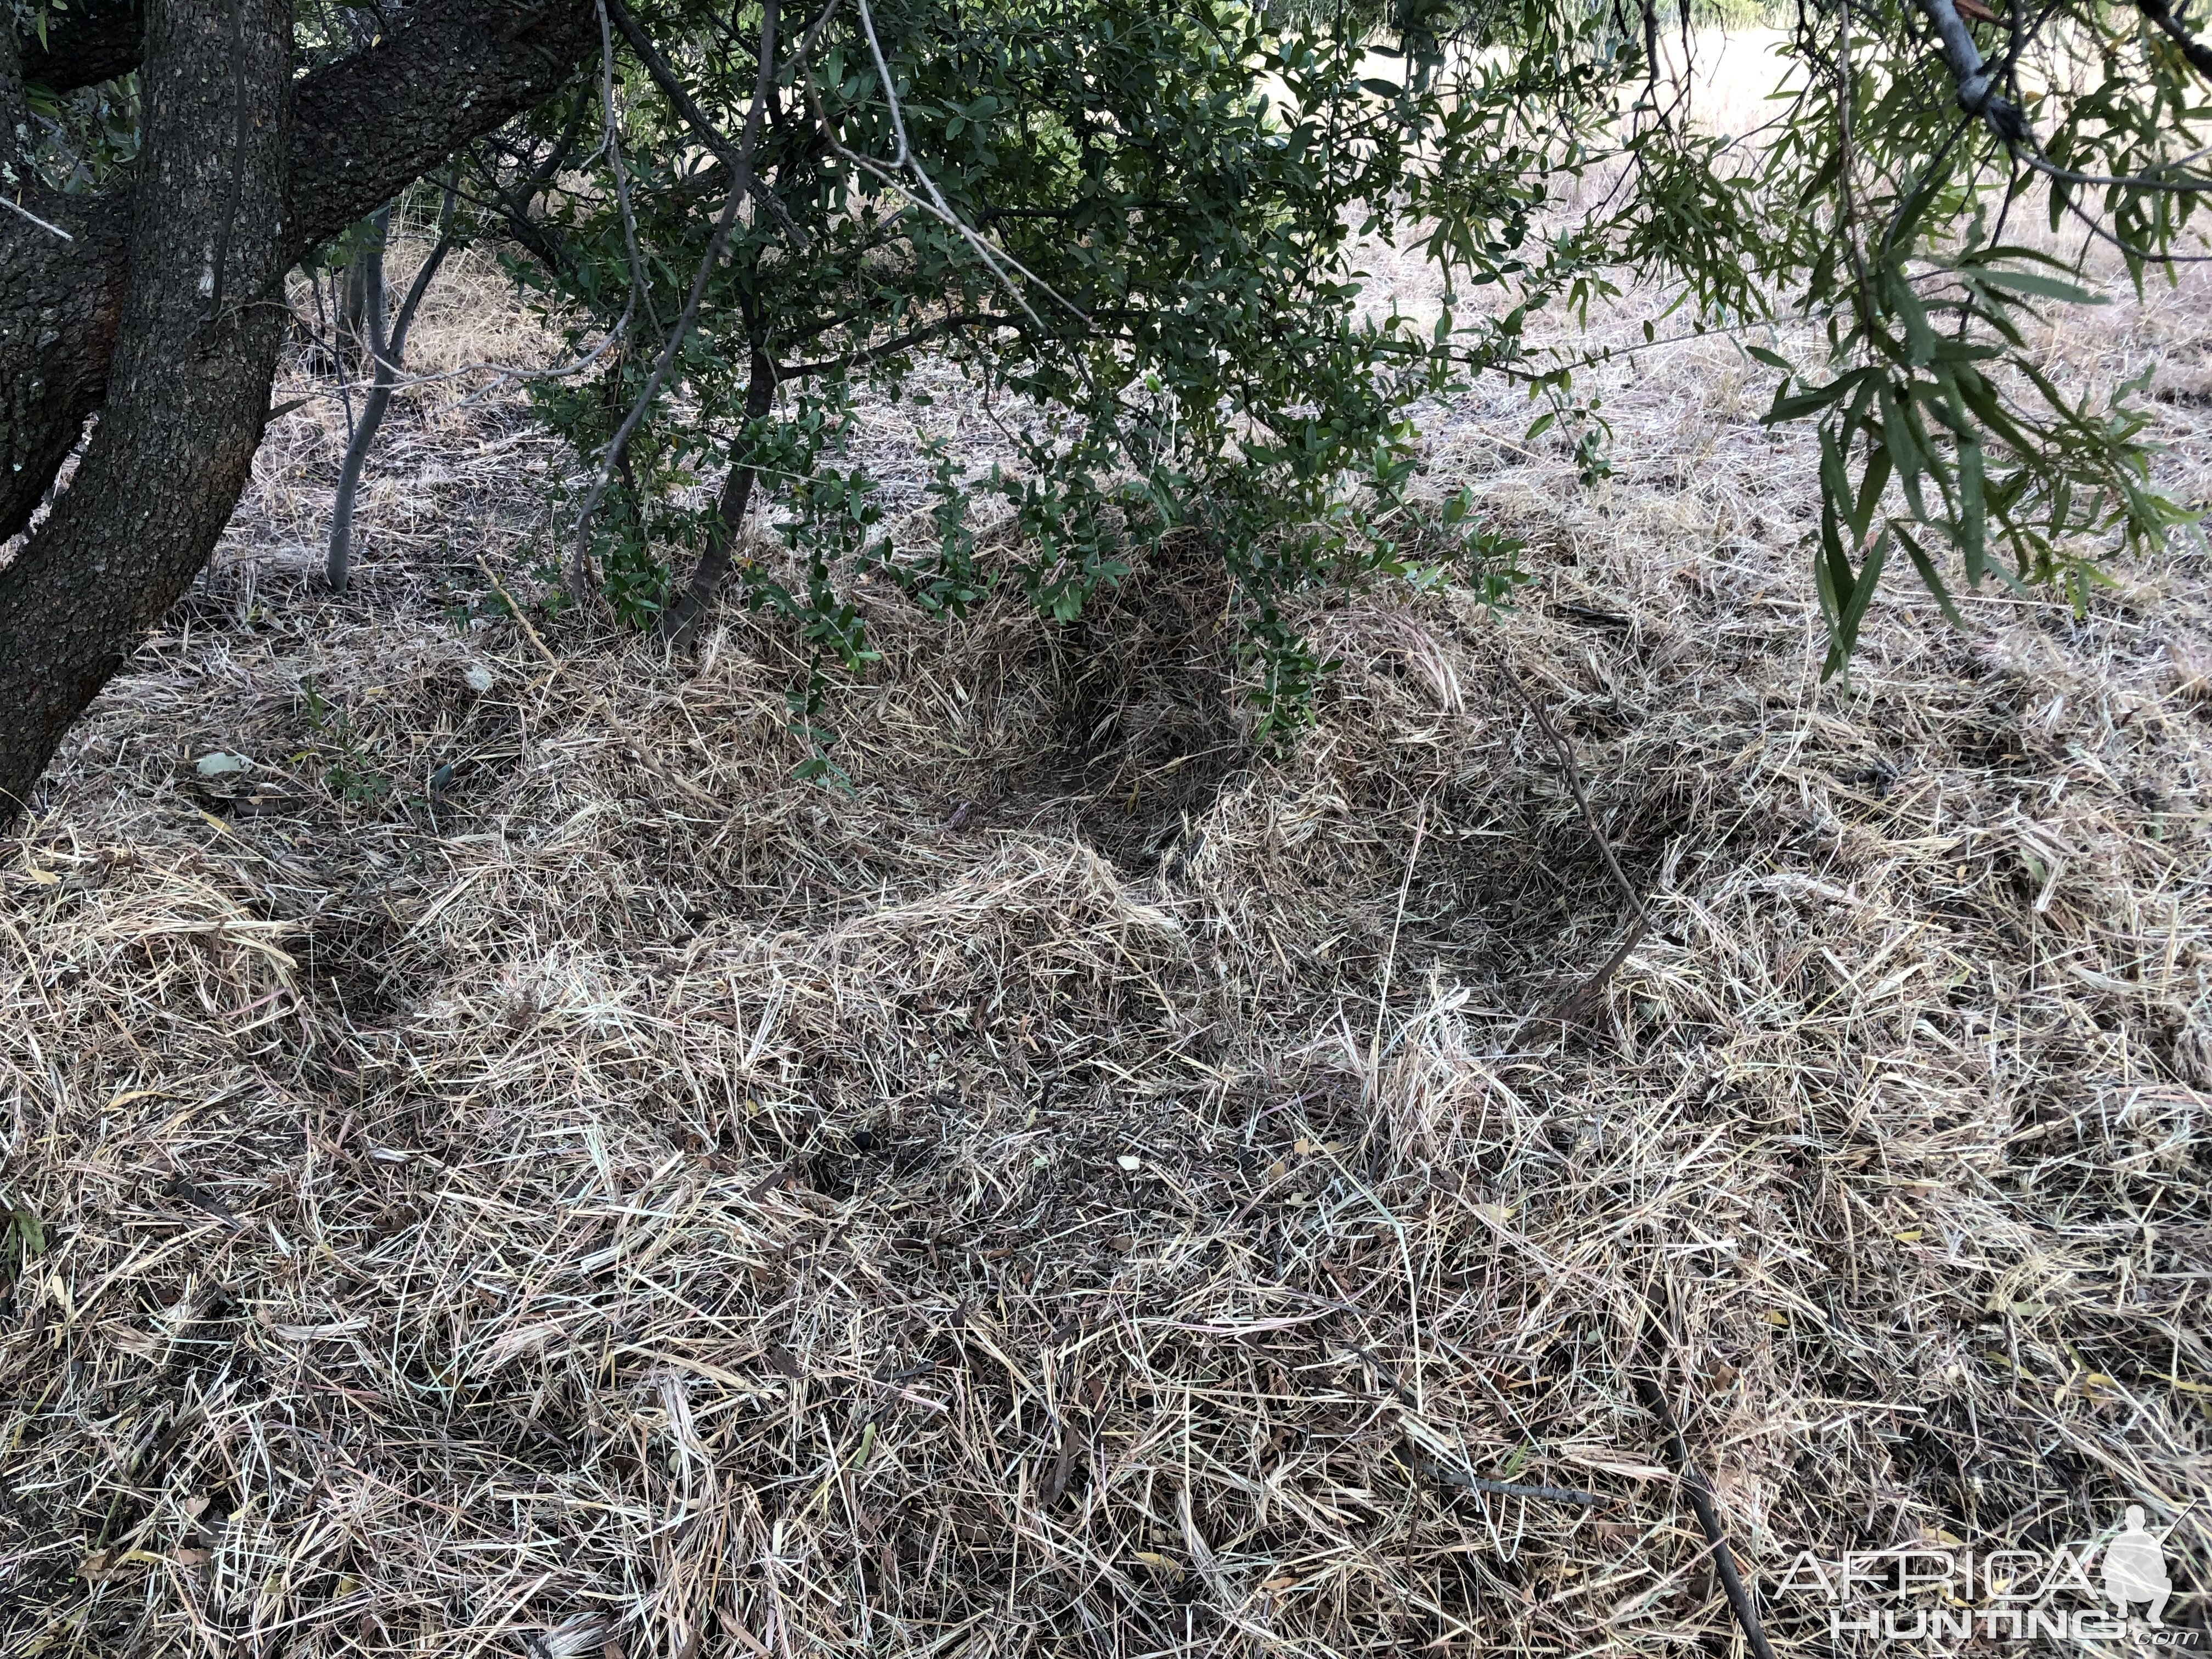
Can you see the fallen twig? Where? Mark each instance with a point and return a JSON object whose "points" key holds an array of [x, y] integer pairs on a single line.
{"points": [[516, 611], [1639, 918], [1701, 1500], [41, 223], [179, 1188]]}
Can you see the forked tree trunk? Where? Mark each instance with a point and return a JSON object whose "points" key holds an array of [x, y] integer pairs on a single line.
{"points": [[444, 73], [203, 314], [387, 354], [360, 294], [360, 342], [114, 317]]}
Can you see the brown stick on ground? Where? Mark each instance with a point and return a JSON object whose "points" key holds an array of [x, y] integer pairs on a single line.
{"points": [[1701, 1500], [1639, 918]]}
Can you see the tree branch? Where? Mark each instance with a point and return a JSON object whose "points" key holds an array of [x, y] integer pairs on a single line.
{"points": [[734, 157], [94, 40], [1639, 913], [449, 72], [672, 85], [740, 185], [728, 522], [897, 344], [1977, 88], [2176, 184], [1978, 96], [1742, 1601], [2161, 16], [366, 128]]}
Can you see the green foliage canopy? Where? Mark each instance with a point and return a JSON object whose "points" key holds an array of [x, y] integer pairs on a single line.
{"points": [[1137, 226]]}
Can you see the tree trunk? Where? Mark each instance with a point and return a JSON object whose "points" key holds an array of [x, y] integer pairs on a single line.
{"points": [[367, 127], [360, 342], [115, 310], [389, 353], [202, 316], [729, 521]]}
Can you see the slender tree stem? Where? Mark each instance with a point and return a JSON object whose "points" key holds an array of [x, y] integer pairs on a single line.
{"points": [[387, 356], [717, 243], [728, 523]]}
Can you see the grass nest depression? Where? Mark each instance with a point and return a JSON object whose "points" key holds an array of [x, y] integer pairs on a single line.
{"points": [[512, 1173]]}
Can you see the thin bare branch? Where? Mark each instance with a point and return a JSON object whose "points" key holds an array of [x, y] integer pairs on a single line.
{"points": [[43, 224], [996, 260], [735, 156], [717, 245], [1739, 1601], [2161, 17]]}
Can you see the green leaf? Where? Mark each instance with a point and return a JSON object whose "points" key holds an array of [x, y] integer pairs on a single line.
{"points": [[1920, 338], [1874, 480], [1903, 449], [2047, 287], [1845, 637], [1972, 520], [1808, 403], [1930, 577]]}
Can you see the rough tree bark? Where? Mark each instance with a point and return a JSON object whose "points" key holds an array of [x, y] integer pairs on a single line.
{"points": [[60, 303], [93, 40], [202, 317], [117, 311], [363, 130], [14, 109]]}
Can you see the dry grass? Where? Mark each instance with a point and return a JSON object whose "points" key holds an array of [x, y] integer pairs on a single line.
{"points": [[1063, 1194]]}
